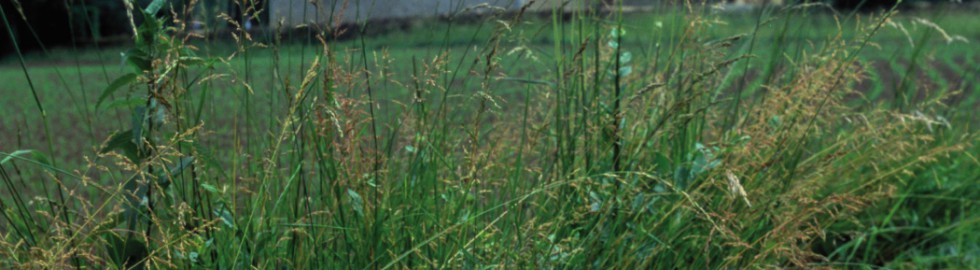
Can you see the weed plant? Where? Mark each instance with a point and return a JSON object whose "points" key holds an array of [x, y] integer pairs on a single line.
{"points": [[584, 140]]}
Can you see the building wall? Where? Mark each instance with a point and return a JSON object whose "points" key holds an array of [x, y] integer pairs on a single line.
{"points": [[291, 12], [759, 2]]}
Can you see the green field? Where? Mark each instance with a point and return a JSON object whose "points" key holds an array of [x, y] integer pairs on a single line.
{"points": [[789, 137]]}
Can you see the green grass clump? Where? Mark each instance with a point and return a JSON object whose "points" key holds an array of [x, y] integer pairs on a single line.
{"points": [[682, 139]]}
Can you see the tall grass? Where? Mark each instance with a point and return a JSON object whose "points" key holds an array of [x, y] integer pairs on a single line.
{"points": [[619, 143]]}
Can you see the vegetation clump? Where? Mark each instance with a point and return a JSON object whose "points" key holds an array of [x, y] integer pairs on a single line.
{"points": [[681, 139]]}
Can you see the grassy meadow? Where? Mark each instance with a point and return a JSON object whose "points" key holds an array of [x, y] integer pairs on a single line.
{"points": [[686, 137]]}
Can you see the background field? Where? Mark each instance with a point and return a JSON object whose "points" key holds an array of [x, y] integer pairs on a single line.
{"points": [[502, 142], [70, 81]]}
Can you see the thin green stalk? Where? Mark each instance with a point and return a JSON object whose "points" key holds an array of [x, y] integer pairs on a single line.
{"points": [[618, 92], [47, 131]]}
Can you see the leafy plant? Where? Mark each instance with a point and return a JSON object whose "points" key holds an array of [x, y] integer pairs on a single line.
{"points": [[583, 139]]}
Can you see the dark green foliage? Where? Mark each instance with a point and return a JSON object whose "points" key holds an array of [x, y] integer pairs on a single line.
{"points": [[681, 139], [126, 253]]}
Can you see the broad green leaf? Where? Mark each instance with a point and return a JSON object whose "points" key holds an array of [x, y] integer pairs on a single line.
{"points": [[225, 216], [115, 85], [139, 59], [148, 30], [625, 71], [155, 6], [356, 202], [617, 32], [625, 58], [139, 115], [130, 102], [613, 44], [209, 187], [122, 141]]}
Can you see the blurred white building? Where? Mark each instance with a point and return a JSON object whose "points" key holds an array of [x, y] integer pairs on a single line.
{"points": [[295, 12]]}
